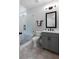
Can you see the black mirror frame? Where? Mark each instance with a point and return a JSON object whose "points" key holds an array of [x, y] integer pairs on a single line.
{"points": [[55, 19]]}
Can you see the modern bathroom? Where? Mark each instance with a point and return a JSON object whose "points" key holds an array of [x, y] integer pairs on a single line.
{"points": [[39, 29]]}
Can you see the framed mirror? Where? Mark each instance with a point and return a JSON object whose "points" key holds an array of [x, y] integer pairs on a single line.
{"points": [[51, 19]]}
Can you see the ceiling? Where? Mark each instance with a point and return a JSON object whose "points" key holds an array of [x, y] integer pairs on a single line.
{"points": [[33, 3]]}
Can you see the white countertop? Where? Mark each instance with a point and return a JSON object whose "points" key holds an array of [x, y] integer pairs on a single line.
{"points": [[51, 31], [55, 31]]}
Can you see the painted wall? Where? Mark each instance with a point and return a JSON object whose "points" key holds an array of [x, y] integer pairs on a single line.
{"points": [[38, 13], [35, 14]]}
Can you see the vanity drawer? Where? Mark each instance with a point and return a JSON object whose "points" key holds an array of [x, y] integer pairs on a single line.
{"points": [[50, 34]]}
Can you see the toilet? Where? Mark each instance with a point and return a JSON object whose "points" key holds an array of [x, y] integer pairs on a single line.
{"points": [[34, 40]]}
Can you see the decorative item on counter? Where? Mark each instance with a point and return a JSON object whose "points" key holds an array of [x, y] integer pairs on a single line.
{"points": [[48, 29], [52, 29], [39, 22]]}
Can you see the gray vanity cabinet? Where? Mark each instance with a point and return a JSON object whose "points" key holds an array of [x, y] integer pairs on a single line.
{"points": [[49, 41], [44, 43]]}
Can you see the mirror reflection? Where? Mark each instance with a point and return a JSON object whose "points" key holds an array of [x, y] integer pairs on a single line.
{"points": [[51, 19]]}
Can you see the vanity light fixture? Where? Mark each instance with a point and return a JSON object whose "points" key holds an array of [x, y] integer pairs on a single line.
{"points": [[51, 7]]}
